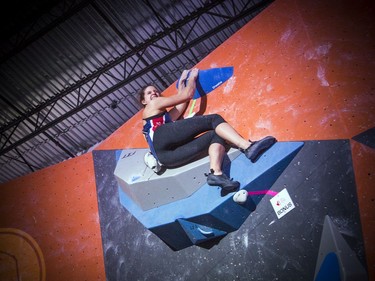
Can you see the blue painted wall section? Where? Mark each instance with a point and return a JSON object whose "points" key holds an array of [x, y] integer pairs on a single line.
{"points": [[208, 213], [330, 269]]}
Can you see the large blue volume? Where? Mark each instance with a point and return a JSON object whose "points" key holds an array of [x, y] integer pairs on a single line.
{"points": [[208, 214], [209, 79]]}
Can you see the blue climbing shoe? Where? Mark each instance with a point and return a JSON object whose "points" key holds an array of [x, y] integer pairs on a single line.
{"points": [[228, 184], [257, 148]]}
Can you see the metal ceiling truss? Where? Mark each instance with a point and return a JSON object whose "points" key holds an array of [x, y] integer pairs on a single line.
{"points": [[116, 74], [27, 36]]}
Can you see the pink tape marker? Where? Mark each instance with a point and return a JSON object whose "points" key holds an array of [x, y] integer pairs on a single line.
{"points": [[241, 196], [261, 192]]}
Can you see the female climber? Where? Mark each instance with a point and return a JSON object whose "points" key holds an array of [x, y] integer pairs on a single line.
{"points": [[175, 141]]}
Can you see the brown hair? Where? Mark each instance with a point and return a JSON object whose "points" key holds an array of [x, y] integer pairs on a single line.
{"points": [[141, 93]]}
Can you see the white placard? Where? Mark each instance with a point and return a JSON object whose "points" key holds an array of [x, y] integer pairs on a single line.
{"points": [[282, 203]]}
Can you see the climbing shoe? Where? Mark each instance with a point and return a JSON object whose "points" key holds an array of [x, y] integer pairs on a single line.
{"points": [[256, 148], [228, 184]]}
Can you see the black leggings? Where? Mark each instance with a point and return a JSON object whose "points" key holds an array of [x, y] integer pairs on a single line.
{"points": [[183, 141]]}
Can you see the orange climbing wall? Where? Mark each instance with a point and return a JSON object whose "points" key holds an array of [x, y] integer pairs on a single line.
{"points": [[303, 70], [56, 210]]}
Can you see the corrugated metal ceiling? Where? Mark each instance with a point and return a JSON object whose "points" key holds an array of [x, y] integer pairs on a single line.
{"points": [[69, 79]]}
